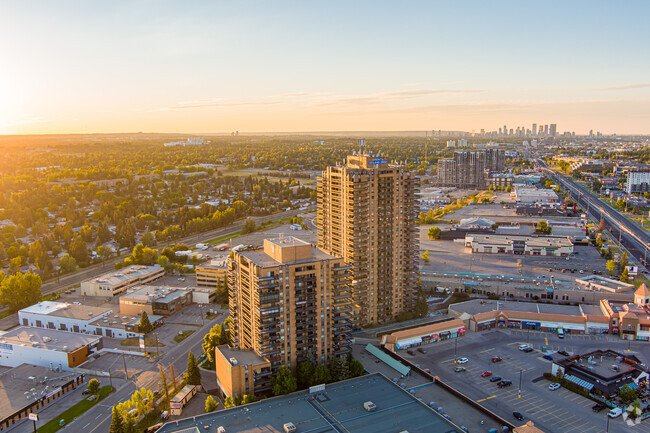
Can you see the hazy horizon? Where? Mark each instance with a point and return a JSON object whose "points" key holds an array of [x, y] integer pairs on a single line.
{"points": [[294, 67]]}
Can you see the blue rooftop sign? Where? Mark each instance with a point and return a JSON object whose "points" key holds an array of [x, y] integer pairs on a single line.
{"points": [[378, 161]]}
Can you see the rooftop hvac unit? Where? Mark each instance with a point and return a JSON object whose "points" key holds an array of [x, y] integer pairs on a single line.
{"points": [[289, 427], [369, 406], [220, 429], [47, 339], [65, 348], [233, 361]]}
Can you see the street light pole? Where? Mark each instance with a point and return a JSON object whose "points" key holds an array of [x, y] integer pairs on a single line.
{"points": [[521, 372], [456, 351]]}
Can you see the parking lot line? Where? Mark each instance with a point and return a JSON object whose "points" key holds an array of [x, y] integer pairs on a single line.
{"points": [[486, 398]]}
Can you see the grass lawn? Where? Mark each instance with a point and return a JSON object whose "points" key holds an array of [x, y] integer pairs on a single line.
{"points": [[182, 336], [135, 341], [641, 279], [222, 239], [75, 411], [208, 365]]}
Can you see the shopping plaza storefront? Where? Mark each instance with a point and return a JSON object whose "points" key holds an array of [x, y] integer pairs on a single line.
{"points": [[424, 335]]}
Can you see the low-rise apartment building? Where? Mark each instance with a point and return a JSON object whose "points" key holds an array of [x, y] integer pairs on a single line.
{"points": [[162, 301], [213, 274]]}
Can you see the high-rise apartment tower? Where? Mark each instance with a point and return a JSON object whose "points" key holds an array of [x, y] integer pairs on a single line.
{"points": [[366, 215]]}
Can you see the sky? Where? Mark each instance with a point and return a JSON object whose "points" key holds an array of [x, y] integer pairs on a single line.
{"points": [[291, 66]]}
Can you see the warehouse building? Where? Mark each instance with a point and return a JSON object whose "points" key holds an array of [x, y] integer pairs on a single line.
{"points": [[522, 245], [530, 195], [46, 347], [116, 283], [82, 319], [28, 388]]}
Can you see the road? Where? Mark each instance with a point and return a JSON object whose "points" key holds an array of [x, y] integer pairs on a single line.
{"points": [[96, 270], [632, 236]]}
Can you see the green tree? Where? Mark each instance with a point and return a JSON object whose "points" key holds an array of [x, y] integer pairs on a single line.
{"points": [[421, 306], [283, 382], [148, 239], [210, 404], [93, 386], [228, 403], [79, 250], [145, 325], [434, 233], [305, 374], [339, 369], [15, 264], [623, 261], [249, 226], [543, 227], [611, 265], [627, 394], [193, 374], [129, 424], [67, 263], [248, 398], [217, 336], [117, 422], [321, 375], [163, 382], [355, 367], [425, 256], [103, 252], [20, 290], [625, 276]]}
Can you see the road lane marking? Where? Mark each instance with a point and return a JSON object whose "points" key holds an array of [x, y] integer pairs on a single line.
{"points": [[486, 398]]}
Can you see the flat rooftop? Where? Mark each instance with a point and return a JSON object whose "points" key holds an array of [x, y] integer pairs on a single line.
{"points": [[16, 385], [245, 357], [49, 339], [596, 281], [260, 258], [218, 264], [154, 293], [478, 306], [506, 239], [607, 365], [126, 274], [64, 309], [338, 408]]}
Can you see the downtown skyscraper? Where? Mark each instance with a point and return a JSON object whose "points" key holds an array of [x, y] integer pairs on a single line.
{"points": [[366, 215]]}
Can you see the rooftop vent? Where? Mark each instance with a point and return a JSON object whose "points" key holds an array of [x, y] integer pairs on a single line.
{"points": [[233, 361], [289, 427]]}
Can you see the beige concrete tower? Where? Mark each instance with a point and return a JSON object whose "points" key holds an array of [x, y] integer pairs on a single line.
{"points": [[366, 215]]}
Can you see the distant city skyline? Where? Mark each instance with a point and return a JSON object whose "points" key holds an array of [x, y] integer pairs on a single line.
{"points": [[216, 67]]}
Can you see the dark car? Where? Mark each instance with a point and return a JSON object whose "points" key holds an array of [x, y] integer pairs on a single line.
{"points": [[497, 359], [549, 357], [517, 415], [421, 350], [410, 352], [495, 379], [563, 352], [598, 407], [504, 383], [528, 349]]}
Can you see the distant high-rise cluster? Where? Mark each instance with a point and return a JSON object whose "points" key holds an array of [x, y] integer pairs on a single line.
{"points": [[535, 131], [469, 168]]}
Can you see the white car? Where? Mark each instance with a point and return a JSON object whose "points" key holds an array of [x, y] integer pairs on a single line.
{"points": [[554, 386], [614, 413], [524, 347], [462, 361]]}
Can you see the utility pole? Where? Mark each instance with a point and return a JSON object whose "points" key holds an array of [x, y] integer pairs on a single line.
{"points": [[126, 373], [201, 312], [156, 334], [521, 372]]}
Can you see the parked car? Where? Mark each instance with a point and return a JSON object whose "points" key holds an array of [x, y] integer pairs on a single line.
{"points": [[523, 347], [426, 370], [549, 357], [497, 359], [486, 373], [528, 349], [462, 361], [410, 352], [554, 386], [495, 379], [504, 383], [598, 407], [563, 352], [459, 369], [518, 416], [615, 413], [164, 415], [421, 350]]}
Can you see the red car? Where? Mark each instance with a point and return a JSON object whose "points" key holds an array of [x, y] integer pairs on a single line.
{"points": [[497, 359], [486, 374]]}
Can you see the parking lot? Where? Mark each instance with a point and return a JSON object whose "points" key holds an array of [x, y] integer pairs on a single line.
{"points": [[553, 411]]}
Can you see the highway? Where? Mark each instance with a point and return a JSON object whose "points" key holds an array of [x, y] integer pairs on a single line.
{"points": [[632, 236]]}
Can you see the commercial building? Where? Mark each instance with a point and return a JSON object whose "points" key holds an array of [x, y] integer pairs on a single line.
{"points": [[116, 283], [82, 319], [367, 210], [28, 388], [157, 300], [528, 195], [638, 181], [393, 409], [423, 335], [596, 282], [522, 245], [46, 347], [602, 372], [289, 301], [242, 372], [213, 274]]}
